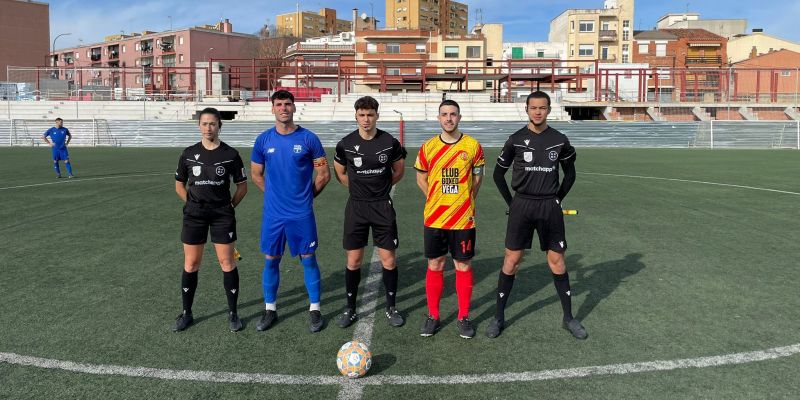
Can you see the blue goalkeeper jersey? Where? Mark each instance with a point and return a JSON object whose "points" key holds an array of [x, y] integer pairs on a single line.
{"points": [[288, 162], [58, 136]]}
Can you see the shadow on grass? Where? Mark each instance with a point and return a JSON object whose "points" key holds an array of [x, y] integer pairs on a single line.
{"points": [[598, 281]]}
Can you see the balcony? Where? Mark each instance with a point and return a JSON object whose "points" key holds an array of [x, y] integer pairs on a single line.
{"points": [[146, 47], [167, 47], [607, 36], [695, 60], [95, 56], [608, 59]]}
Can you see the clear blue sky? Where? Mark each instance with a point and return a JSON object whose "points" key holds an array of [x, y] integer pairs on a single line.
{"points": [[528, 20]]}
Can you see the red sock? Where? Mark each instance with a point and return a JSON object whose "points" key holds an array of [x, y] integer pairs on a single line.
{"points": [[464, 292], [434, 284]]}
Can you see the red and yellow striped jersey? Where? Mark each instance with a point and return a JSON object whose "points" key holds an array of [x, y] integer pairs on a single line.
{"points": [[450, 167]]}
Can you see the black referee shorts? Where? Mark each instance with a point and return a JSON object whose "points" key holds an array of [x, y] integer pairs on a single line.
{"points": [[198, 219], [360, 216], [459, 242], [541, 215]]}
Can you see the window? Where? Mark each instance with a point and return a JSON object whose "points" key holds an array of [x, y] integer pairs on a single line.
{"points": [[624, 58], [625, 35], [451, 52], [123, 48], [372, 70], [661, 49], [421, 48], [605, 26], [372, 48], [625, 49], [180, 59], [786, 73], [450, 71], [393, 71], [586, 50], [572, 50], [392, 48], [644, 48], [473, 51], [540, 53], [180, 40], [489, 84], [571, 26], [586, 26]]}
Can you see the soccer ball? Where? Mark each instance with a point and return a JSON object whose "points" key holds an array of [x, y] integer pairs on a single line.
{"points": [[354, 359]]}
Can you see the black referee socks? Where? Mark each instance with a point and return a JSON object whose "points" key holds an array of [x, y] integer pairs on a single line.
{"points": [[188, 286], [504, 285], [390, 284], [564, 294], [352, 278], [231, 282]]}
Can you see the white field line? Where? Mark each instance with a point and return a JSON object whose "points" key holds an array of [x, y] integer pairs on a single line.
{"points": [[64, 181], [353, 389], [279, 379], [693, 181]]}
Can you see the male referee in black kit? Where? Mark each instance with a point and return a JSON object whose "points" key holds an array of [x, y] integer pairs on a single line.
{"points": [[369, 161], [535, 152]]}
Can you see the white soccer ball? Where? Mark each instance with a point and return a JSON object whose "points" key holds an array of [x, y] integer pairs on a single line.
{"points": [[354, 359]]}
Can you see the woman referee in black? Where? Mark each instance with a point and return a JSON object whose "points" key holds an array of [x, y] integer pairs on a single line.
{"points": [[202, 180]]}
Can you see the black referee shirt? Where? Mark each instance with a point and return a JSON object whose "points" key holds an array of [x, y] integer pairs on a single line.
{"points": [[208, 173], [535, 158], [369, 163]]}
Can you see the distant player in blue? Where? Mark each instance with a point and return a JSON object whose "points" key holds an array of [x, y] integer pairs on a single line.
{"points": [[60, 137], [283, 164]]}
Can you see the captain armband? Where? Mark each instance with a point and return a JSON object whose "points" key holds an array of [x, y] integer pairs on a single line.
{"points": [[477, 170], [320, 162]]}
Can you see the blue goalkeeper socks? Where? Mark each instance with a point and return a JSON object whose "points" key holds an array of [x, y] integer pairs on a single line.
{"points": [[69, 168], [311, 276], [57, 168], [270, 280]]}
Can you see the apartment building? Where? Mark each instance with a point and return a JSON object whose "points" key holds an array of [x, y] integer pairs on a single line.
{"points": [[307, 24], [163, 58], [596, 34], [24, 34], [449, 17]]}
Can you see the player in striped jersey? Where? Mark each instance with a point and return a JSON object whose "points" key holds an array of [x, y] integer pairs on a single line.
{"points": [[449, 172]]}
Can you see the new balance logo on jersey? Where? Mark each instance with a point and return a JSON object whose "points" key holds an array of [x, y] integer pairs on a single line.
{"points": [[298, 148], [270, 150]]}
